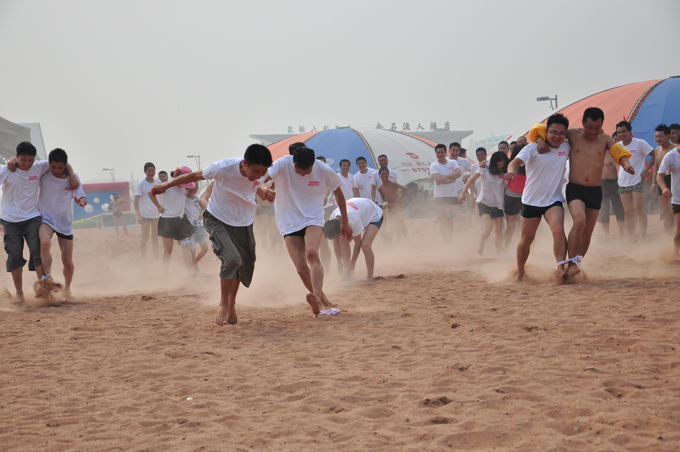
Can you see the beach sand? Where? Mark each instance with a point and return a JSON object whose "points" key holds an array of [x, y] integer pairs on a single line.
{"points": [[445, 352]]}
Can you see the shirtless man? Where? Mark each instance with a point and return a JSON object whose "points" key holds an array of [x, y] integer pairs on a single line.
{"points": [[393, 194], [301, 183], [376, 180], [662, 138], [584, 193], [632, 186], [364, 217], [610, 194], [117, 206]]}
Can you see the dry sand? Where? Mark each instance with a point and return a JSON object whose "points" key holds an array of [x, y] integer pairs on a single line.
{"points": [[444, 353]]}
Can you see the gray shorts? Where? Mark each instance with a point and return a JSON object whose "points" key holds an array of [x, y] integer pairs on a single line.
{"points": [[14, 236], [234, 245]]}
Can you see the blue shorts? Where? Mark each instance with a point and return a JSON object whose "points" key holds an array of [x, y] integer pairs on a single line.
{"points": [[379, 222], [199, 236]]}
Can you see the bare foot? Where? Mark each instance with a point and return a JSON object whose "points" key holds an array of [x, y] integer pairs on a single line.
{"points": [[480, 250], [20, 300], [519, 276], [226, 314], [68, 296], [311, 299], [561, 276], [326, 302]]}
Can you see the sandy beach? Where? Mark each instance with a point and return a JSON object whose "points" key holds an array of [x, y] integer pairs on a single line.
{"points": [[445, 352]]}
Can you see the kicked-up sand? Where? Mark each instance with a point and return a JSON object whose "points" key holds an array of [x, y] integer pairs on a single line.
{"points": [[445, 352]]}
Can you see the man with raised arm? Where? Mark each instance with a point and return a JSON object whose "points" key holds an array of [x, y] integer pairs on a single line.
{"points": [[542, 195], [301, 183], [229, 218], [584, 193]]}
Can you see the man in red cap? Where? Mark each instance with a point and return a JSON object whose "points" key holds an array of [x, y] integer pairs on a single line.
{"points": [[173, 225]]}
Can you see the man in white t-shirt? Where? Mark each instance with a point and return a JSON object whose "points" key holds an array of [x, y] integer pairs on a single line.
{"points": [[301, 183], [362, 179], [446, 173], [147, 213], [55, 203], [365, 217], [480, 154], [662, 138], [542, 195], [346, 178], [632, 186], [671, 165], [19, 214], [465, 167], [376, 181], [229, 218]]}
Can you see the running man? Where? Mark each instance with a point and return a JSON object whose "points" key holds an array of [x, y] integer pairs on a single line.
{"points": [[610, 195], [671, 165], [301, 183], [445, 172], [662, 138], [365, 217], [147, 213], [19, 214], [465, 167], [584, 193], [117, 206], [56, 207], [632, 186], [229, 218], [542, 195]]}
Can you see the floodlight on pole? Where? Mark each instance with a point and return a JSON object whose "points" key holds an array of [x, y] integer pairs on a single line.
{"points": [[551, 99], [197, 159], [112, 172]]}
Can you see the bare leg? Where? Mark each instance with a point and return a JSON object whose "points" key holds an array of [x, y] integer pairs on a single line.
{"points": [[17, 278], [666, 214], [313, 237], [631, 215], [122, 222], [338, 255], [296, 251], [458, 217], [641, 211], [529, 228], [366, 242], [167, 253], [154, 237], [325, 252], [498, 231], [46, 234], [227, 311], [66, 247], [203, 252], [146, 230], [605, 228], [577, 208], [444, 223], [186, 255], [510, 231], [676, 239], [486, 232]]}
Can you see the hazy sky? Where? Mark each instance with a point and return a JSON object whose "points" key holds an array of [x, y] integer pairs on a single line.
{"points": [[118, 83]]}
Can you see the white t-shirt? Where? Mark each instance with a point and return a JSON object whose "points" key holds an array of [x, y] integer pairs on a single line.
{"points": [[363, 183], [233, 197], [464, 165], [20, 192], [478, 182], [545, 174], [148, 209], [192, 210], [377, 182], [347, 185], [445, 190], [360, 213], [173, 202], [299, 199], [671, 165], [640, 149], [491, 192], [55, 202]]}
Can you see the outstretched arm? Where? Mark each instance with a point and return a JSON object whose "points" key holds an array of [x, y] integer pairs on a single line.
{"points": [[203, 202], [469, 184], [179, 180]]}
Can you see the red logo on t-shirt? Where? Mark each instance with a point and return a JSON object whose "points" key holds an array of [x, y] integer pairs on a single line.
{"points": [[313, 183], [32, 177], [67, 188], [255, 184], [562, 153], [351, 204], [412, 155]]}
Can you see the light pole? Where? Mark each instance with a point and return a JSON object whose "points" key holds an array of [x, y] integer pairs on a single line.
{"points": [[551, 99], [197, 158], [112, 172]]}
